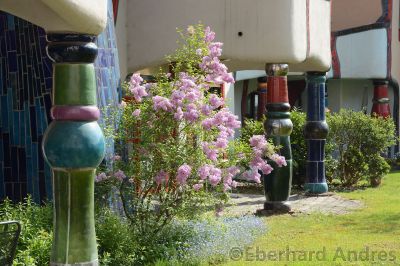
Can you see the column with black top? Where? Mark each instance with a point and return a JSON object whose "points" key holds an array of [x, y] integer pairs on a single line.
{"points": [[73, 146], [278, 128], [315, 132]]}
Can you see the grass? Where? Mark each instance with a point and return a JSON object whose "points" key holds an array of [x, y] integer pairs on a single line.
{"points": [[374, 228]]}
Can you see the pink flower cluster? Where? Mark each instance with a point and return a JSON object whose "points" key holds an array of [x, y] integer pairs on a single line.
{"points": [[215, 175], [225, 122], [136, 88], [216, 72], [185, 101], [259, 144], [183, 174], [100, 177], [229, 173], [210, 172], [120, 175], [279, 160], [136, 112], [116, 158], [161, 177], [161, 103]]}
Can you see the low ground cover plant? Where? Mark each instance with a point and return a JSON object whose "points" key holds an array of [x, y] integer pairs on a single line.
{"points": [[34, 244], [185, 242]]}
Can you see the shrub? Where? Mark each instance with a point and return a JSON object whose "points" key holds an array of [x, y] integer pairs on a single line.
{"points": [[181, 242], [297, 141], [116, 244], [353, 150], [299, 146], [360, 140], [251, 127], [34, 244], [180, 156]]}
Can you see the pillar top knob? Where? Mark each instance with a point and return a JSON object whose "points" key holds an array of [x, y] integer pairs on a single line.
{"points": [[277, 69], [314, 76], [380, 82]]}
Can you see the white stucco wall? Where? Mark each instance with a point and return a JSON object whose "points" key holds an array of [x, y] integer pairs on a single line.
{"points": [[88, 16], [363, 54], [271, 31], [395, 65], [352, 94]]}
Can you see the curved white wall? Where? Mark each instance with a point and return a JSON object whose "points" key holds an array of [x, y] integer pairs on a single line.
{"points": [[272, 31], [80, 16]]}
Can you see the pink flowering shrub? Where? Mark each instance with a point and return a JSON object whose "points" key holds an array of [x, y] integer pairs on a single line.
{"points": [[184, 150]]}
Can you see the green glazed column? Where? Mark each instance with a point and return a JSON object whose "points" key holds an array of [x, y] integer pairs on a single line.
{"points": [[73, 146], [278, 128]]}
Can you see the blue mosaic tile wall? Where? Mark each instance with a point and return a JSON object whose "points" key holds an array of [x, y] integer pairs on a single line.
{"points": [[25, 102]]}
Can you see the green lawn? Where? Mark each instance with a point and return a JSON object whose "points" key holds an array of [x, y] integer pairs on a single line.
{"points": [[375, 228]]}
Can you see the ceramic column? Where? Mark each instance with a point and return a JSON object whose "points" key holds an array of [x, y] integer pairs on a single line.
{"points": [[73, 146], [381, 105], [262, 96], [278, 127], [315, 132]]}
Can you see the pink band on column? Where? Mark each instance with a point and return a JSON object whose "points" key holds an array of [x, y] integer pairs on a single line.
{"points": [[78, 113]]}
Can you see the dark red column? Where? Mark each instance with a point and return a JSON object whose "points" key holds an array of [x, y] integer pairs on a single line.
{"points": [[262, 96], [381, 105]]}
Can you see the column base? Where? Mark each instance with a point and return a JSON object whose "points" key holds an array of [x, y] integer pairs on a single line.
{"points": [[274, 207], [91, 263], [316, 188], [277, 206]]}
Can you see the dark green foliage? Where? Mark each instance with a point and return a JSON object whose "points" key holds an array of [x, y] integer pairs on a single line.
{"points": [[120, 243], [353, 151], [297, 141], [115, 241], [251, 127], [360, 140], [35, 240], [299, 147]]}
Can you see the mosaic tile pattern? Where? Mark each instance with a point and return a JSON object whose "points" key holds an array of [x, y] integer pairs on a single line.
{"points": [[25, 102]]}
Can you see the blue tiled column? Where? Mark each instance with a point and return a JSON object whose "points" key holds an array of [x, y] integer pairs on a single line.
{"points": [[315, 131]]}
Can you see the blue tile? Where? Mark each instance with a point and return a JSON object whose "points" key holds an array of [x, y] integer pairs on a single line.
{"points": [[38, 114], [15, 132], [28, 146], [29, 175], [1, 151], [10, 22], [4, 113], [35, 171], [2, 194], [12, 61], [43, 119], [27, 119]]}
